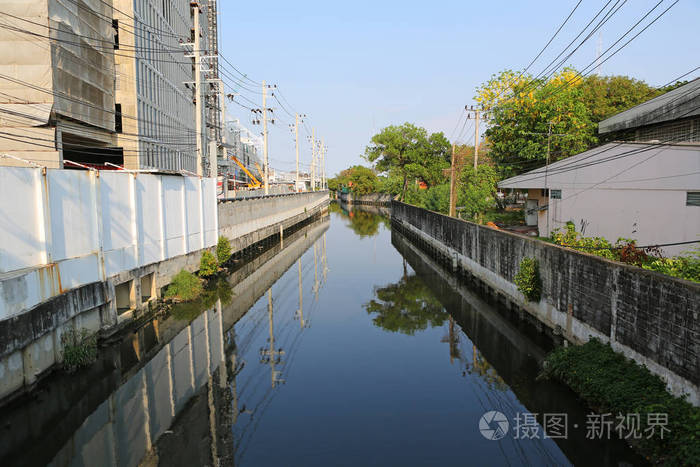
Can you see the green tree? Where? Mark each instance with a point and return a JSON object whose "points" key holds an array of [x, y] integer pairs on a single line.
{"points": [[407, 152], [223, 250], [362, 180], [207, 264], [521, 109], [520, 119], [478, 189]]}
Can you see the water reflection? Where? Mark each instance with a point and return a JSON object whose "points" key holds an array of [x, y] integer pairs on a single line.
{"points": [[365, 221], [406, 306], [299, 357], [164, 392]]}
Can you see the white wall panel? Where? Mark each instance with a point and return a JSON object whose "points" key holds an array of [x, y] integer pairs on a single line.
{"points": [[73, 213], [193, 209], [174, 217], [55, 227], [148, 219], [118, 221], [21, 218], [209, 211]]}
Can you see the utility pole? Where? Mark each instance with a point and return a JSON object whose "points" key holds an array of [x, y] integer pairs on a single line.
{"points": [[477, 117], [476, 139], [224, 150], [546, 169], [313, 159], [198, 89], [266, 163], [296, 138], [453, 185], [323, 165]]}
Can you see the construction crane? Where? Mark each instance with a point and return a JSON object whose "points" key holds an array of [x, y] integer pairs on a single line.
{"points": [[254, 182], [257, 166]]}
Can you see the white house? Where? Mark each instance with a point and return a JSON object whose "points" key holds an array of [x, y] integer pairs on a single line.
{"points": [[646, 188]]}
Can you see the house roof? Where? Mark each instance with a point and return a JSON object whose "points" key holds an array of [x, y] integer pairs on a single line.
{"points": [[619, 166], [682, 102]]}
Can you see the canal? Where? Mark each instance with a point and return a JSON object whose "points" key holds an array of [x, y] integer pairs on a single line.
{"points": [[344, 345]]}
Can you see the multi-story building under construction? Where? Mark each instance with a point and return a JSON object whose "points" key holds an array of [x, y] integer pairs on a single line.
{"points": [[108, 84]]}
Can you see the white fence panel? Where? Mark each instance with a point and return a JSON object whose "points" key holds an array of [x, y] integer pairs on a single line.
{"points": [[73, 214], [118, 221], [54, 226], [174, 217], [193, 210], [21, 219], [209, 211], [149, 219]]}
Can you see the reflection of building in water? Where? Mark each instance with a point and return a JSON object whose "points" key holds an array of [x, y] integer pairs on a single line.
{"points": [[163, 384], [125, 426]]}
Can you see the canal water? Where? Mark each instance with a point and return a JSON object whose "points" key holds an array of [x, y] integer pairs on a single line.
{"points": [[344, 345]]}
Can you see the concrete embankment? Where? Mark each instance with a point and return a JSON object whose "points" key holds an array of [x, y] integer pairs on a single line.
{"points": [[650, 317], [92, 250], [371, 199]]}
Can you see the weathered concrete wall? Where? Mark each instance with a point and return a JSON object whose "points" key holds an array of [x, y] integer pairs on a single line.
{"points": [[372, 199], [247, 221], [650, 317]]}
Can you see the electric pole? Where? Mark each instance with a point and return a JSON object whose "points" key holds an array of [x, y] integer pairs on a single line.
{"points": [[222, 100], [476, 139], [198, 90], [323, 165], [296, 139], [266, 163], [313, 159], [453, 185]]}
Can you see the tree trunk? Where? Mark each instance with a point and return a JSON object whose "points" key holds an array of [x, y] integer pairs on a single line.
{"points": [[405, 183]]}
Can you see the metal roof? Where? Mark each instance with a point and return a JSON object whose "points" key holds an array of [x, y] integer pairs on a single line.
{"points": [[680, 103]]}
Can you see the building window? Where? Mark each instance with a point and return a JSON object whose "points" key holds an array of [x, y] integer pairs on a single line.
{"points": [[692, 198], [545, 192], [556, 194], [118, 118], [115, 26]]}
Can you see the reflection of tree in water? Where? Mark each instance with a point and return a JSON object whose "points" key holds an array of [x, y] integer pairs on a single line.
{"points": [[364, 224], [483, 368], [407, 306]]}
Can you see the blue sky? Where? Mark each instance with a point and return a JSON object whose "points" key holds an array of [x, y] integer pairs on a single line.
{"points": [[355, 67]]}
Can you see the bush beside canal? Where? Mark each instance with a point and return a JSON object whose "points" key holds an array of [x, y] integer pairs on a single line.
{"points": [[184, 286], [613, 384], [79, 349]]}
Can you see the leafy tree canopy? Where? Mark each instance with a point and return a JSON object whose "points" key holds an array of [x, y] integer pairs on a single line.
{"points": [[521, 109], [407, 152]]}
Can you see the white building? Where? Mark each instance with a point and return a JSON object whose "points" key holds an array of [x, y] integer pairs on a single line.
{"points": [[646, 189], [155, 90]]}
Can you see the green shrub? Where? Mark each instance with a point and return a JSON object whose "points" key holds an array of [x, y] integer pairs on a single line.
{"points": [[185, 286], [79, 349], [207, 264], [613, 384], [528, 279], [223, 250]]}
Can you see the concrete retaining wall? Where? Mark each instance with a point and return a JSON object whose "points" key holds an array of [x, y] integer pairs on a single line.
{"points": [[247, 221], [372, 199], [648, 316]]}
